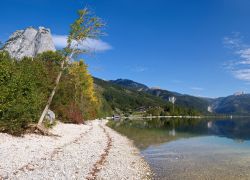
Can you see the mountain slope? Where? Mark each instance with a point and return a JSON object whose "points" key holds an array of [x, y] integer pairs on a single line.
{"points": [[188, 101], [128, 100], [235, 104], [238, 104], [182, 100], [130, 84]]}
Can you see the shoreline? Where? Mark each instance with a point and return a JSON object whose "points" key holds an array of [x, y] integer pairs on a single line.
{"points": [[91, 151], [182, 117]]}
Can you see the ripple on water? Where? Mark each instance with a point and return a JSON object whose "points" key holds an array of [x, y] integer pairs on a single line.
{"points": [[192, 148], [198, 158]]}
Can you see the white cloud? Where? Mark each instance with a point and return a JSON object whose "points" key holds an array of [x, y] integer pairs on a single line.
{"points": [[60, 41], [93, 45], [242, 74], [245, 56], [233, 41], [240, 68]]}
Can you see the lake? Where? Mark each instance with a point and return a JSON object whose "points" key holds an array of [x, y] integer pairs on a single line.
{"points": [[192, 148]]}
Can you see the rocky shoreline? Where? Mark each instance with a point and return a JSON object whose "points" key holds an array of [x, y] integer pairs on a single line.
{"points": [[91, 151]]}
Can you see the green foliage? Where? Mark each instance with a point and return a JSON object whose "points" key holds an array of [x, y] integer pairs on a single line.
{"points": [[183, 100], [104, 109], [76, 91], [235, 105], [82, 99], [23, 89], [128, 100], [168, 110], [26, 84], [87, 25], [124, 99]]}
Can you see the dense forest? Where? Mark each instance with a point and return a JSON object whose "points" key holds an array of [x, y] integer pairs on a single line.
{"points": [[26, 84]]}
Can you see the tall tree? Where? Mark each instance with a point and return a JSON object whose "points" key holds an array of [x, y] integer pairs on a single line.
{"points": [[85, 26], [84, 93]]}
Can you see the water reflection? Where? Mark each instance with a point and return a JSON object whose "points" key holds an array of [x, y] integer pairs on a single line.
{"points": [[153, 132], [158, 130], [192, 148]]}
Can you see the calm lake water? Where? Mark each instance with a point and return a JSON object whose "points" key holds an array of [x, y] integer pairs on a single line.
{"points": [[192, 148]]}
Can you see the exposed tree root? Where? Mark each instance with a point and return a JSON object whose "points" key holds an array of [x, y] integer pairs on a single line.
{"points": [[44, 131]]}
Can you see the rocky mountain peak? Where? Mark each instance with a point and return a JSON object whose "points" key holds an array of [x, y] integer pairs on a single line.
{"points": [[29, 42], [130, 84]]}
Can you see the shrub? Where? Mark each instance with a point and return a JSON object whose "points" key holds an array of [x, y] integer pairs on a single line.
{"points": [[73, 114], [24, 87]]}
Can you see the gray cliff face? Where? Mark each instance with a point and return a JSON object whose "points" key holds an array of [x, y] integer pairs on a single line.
{"points": [[29, 42]]}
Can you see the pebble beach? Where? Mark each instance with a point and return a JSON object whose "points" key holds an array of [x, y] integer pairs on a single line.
{"points": [[89, 151]]}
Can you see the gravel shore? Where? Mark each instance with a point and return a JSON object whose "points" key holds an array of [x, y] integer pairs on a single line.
{"points": [[91, 151]]}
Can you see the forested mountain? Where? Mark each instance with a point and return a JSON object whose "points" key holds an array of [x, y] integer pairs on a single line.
{"points": [[129, 100], [235, 104], [130, 84], [200, 104]]}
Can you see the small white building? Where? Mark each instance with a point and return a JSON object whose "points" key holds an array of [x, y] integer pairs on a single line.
{"points": [[210, 109]]}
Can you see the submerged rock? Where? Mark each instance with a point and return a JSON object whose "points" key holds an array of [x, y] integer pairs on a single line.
{"points": [[29, 42]]}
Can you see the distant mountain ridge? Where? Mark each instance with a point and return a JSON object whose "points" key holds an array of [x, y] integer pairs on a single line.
{"points": [[181, 100], [130, 84], [234, 104], [237, 104], [127, 100]]}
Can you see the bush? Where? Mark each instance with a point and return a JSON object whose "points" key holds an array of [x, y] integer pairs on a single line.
{"points": [[76, 90], [24, 88], [74, 114]]}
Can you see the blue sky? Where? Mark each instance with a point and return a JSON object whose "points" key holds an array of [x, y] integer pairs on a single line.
{"points": [[193, 47]]}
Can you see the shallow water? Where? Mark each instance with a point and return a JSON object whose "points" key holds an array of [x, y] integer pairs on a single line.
{"points": [[192, 148]]}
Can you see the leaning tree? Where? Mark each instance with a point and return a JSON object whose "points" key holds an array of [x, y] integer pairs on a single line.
{"points": [[86, 26]]}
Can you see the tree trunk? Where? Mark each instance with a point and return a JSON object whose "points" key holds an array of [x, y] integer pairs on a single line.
{"points": [[51, 95], [56, 85]]}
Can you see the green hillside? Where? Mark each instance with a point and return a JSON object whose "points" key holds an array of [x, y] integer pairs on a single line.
{"points": [[187, 101], [129, 100], [238, 105]]}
